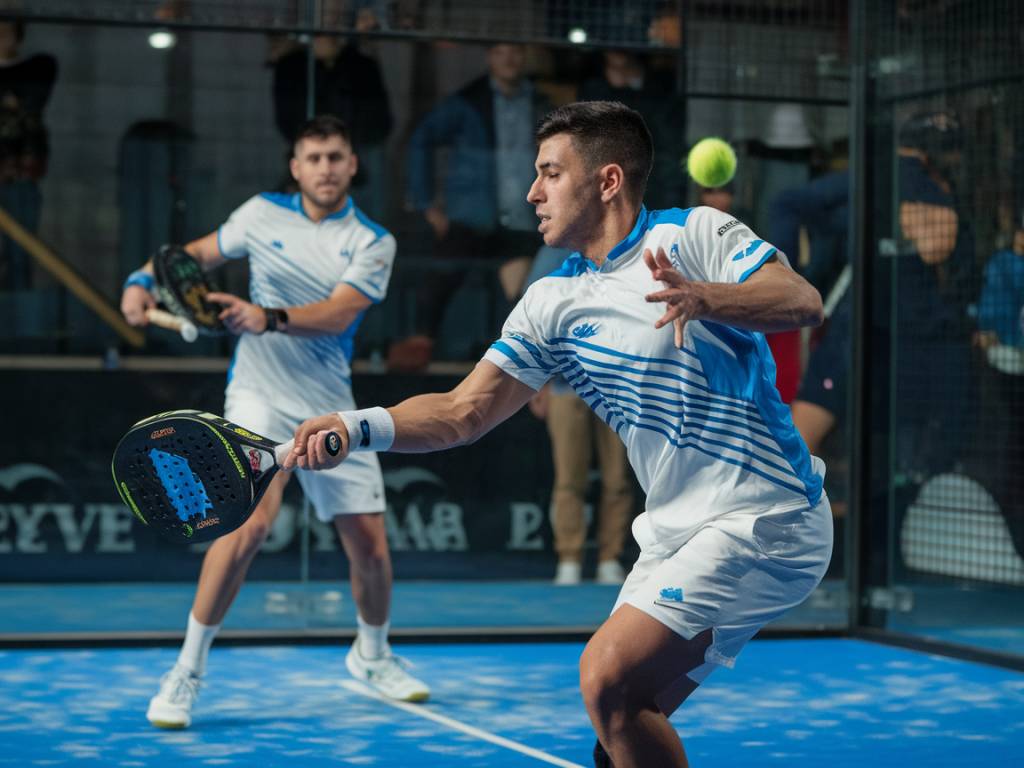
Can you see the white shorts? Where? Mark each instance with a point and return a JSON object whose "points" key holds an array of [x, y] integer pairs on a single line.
{"points": [[734, 575], [355, 486]]}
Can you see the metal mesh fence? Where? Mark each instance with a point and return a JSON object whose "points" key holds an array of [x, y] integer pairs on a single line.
{"points": [[763, 49], [948, 78]]}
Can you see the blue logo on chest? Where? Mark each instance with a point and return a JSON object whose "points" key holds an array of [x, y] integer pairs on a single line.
{"points": [[586, 330], [277, 244]]}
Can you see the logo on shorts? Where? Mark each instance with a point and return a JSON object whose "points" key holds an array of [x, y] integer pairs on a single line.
{"points": [[671, 594]]}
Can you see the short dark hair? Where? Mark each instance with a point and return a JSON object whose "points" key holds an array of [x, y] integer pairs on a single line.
{"points": [[322, 127], [605, 132]]}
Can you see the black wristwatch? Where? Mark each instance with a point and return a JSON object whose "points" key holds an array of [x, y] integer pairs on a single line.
{"points": [[277, 319]]}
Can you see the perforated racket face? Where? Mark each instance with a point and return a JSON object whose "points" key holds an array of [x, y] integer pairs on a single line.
{"points": [[182, 287], [184, 477]]}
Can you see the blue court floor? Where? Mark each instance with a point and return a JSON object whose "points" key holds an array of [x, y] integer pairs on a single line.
{"points": [[808, 702]]}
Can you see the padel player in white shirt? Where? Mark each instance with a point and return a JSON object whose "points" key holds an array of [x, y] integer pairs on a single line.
{"points": [[316, 264], [657, 322]]}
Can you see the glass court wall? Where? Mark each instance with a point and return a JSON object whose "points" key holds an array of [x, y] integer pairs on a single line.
{"points": [[152, 144]]}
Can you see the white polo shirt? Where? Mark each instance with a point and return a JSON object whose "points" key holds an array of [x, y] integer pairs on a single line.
{"points": [[295, 261], [705, 429]]}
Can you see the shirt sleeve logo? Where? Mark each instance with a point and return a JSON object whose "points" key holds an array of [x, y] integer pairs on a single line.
{"points": [[727, 226]]}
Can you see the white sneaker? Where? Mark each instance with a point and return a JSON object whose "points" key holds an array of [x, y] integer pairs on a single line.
{"points": [[610, 572], [387, 675], [568, 574], [172, 706]]}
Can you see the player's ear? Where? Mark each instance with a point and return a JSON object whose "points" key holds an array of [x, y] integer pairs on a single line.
{"points": [[293, 166], [612, 181]]}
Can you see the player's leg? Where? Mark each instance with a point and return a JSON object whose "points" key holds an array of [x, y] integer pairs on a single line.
{"points": [[223, 571], [228, 559], [366, 546], [351, 496], [569, 425], [622, 673], [370, 659], [616, 506], [712, 594]]}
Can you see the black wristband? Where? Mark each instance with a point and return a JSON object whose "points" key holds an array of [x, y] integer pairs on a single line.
{"points": [[277, 319]]}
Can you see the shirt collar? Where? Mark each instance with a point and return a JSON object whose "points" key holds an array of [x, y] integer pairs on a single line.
{"points": [[630, 240], [296, 205]]}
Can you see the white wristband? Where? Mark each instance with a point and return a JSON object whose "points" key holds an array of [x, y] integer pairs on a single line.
{"points": [[371, 429]]}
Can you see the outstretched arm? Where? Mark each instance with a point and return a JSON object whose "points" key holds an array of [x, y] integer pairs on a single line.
{"points": [[421, 424]]}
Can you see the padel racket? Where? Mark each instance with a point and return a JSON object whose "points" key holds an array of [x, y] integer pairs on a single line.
{"points": [[181, 286], [194, 476]]}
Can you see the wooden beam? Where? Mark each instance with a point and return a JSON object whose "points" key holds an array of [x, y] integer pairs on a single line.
{"points": [[71, 279]]}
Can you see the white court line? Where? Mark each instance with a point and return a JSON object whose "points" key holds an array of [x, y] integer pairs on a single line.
{"points": [[421, 711]]}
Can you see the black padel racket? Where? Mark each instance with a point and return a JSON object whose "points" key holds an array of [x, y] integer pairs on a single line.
{"points": [[194, 476], [181, 286]]}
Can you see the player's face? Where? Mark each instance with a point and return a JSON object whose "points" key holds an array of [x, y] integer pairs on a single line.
{"points": [[566, 194], [324, 169]]}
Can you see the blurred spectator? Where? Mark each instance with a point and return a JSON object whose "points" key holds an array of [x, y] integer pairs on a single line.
{"points": [[1001, 302], [487, 128], [1000, 463], [347, 83], [779, 159], [25, 86], [625, 78], [930, 354], [665, 28], [576, 434]]}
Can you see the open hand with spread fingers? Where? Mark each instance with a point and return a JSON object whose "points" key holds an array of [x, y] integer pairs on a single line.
{"points": [[684, 299]]}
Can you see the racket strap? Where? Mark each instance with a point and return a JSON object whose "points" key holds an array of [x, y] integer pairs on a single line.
{"points": [[370, 429]]}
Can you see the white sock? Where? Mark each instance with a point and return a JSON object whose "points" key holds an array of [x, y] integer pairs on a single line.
{"points": [[373, 640], [195, 649]]}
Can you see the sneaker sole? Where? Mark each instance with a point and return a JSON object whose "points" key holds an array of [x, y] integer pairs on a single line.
{"points": [[168, 726]]}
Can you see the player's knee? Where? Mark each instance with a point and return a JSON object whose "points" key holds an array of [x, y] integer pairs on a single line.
{"points": [[601, 681], [252, 535]]}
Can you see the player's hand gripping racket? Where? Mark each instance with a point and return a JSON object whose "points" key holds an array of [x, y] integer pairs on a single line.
{"points": [[181, 286], [194, 476]]}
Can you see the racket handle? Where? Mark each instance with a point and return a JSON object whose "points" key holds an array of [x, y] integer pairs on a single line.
{"points": [[331, 442], [163, 319]]}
